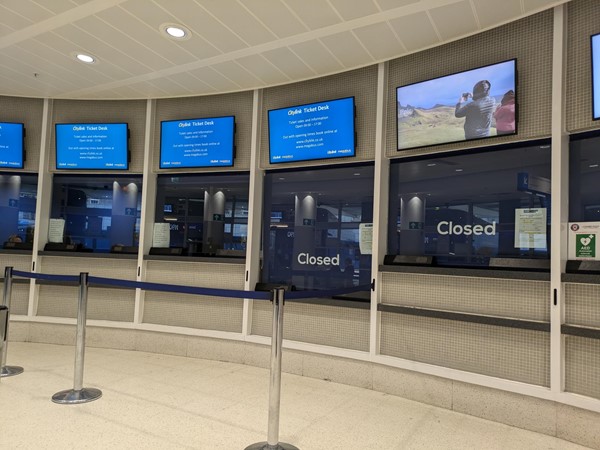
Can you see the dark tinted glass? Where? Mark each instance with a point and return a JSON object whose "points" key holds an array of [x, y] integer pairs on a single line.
{"points": [[207, 213], [18, 194], [464, 209], [312, 227], [98, 211], [584, 180]]}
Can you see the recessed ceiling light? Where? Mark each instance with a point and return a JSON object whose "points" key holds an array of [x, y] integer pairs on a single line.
{"points": [[458, 170], [175, 31], [85, 58], [431, 164]]}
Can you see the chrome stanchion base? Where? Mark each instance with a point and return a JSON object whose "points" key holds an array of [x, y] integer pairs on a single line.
{"points": [[71, 396], [265, 446], [9, 371]]}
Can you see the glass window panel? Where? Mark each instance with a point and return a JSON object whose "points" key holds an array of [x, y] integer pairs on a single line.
{"points": [[99, 211], [18, 196], [311, 227], [207, 213], [584, 179], [464, 209]]}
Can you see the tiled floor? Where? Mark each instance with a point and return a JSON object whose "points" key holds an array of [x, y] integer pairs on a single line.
{"points": [[153, 401]]}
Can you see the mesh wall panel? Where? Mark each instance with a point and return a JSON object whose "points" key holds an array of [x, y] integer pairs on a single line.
{"points": [[513, 354], [98, 111], [582, 365], [203, 312], [582, 304], [193, 311], [488, 296], [19, 301], [238, 105], [583, 21], [103, 303], [316, 324], [361, 83], [30, 112], [529, 40], [17, 262]]}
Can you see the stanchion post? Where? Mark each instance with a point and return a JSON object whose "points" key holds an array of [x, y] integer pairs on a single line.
{"points": [[272, 442], [7, 371], [79, 394]]}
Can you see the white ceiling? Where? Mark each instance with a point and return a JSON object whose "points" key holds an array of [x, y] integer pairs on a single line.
{"points": [[235, 44]]}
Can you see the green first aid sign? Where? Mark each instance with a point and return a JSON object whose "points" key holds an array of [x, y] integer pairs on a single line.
{"points": [[585, 246]]}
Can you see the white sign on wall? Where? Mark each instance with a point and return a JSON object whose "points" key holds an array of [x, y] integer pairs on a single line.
{"points": [[583, 240], [530, 228]]}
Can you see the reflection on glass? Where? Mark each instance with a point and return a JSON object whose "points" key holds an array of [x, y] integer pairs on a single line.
{"points": [[18, 194], [99, 211], [207, 213], [311, 227], [584, 166], [464, 209]]}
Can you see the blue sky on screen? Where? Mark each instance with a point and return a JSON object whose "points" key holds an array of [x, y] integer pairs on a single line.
{"points": [[448, 89], [596, 74]]}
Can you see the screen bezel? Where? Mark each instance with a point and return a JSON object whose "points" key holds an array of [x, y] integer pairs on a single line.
{"points": [[353, 155], [127, 153], [594, 87], [22, 146], [516, 78], [233, 131]]}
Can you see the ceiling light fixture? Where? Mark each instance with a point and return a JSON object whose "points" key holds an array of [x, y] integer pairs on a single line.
{"points": [[85, 58], [175, 31]]}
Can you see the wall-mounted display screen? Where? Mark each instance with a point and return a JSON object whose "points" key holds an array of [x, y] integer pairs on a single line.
{"points": [[596, 75], [197, 142], [475, 104], [11, 145], [99, 146], [314, 131]]}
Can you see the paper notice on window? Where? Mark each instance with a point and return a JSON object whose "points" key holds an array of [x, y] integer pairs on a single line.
{"points": [[56, 230], [162, 235], [365, 238], [530, 228]]}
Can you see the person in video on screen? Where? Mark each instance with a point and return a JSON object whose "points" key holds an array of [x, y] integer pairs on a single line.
{"points": [[477, 113], [505, 114]]}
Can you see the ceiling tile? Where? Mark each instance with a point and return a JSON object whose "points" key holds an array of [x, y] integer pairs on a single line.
{"points": [[195, 18], [27, 9], [314, 13], [415, 31], [5, 29], [275, 15], [533, 5], [12, 83], [380, 41], [240, 21], [352, 10], [56, 6], [454, 20], [491, 12], [286, 61], [192, 83], [237, 74], [98, 30], [214, 79], [263, 69], [316, 56], [149, 37], [347, 49], [391, 4], [12, 19]]}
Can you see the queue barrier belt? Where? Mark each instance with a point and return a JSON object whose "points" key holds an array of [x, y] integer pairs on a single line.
{"points": [[231, 293]]}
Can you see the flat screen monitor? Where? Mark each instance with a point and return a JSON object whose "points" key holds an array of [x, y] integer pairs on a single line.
{"points": [[475, 104], [12, 138], [315, 131], [205, 142], [94, 146], [596, 75]]}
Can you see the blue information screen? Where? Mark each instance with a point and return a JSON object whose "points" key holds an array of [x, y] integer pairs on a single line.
{"points": [[11, 145], [101, 146], [197, 142], [316, 131]]}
